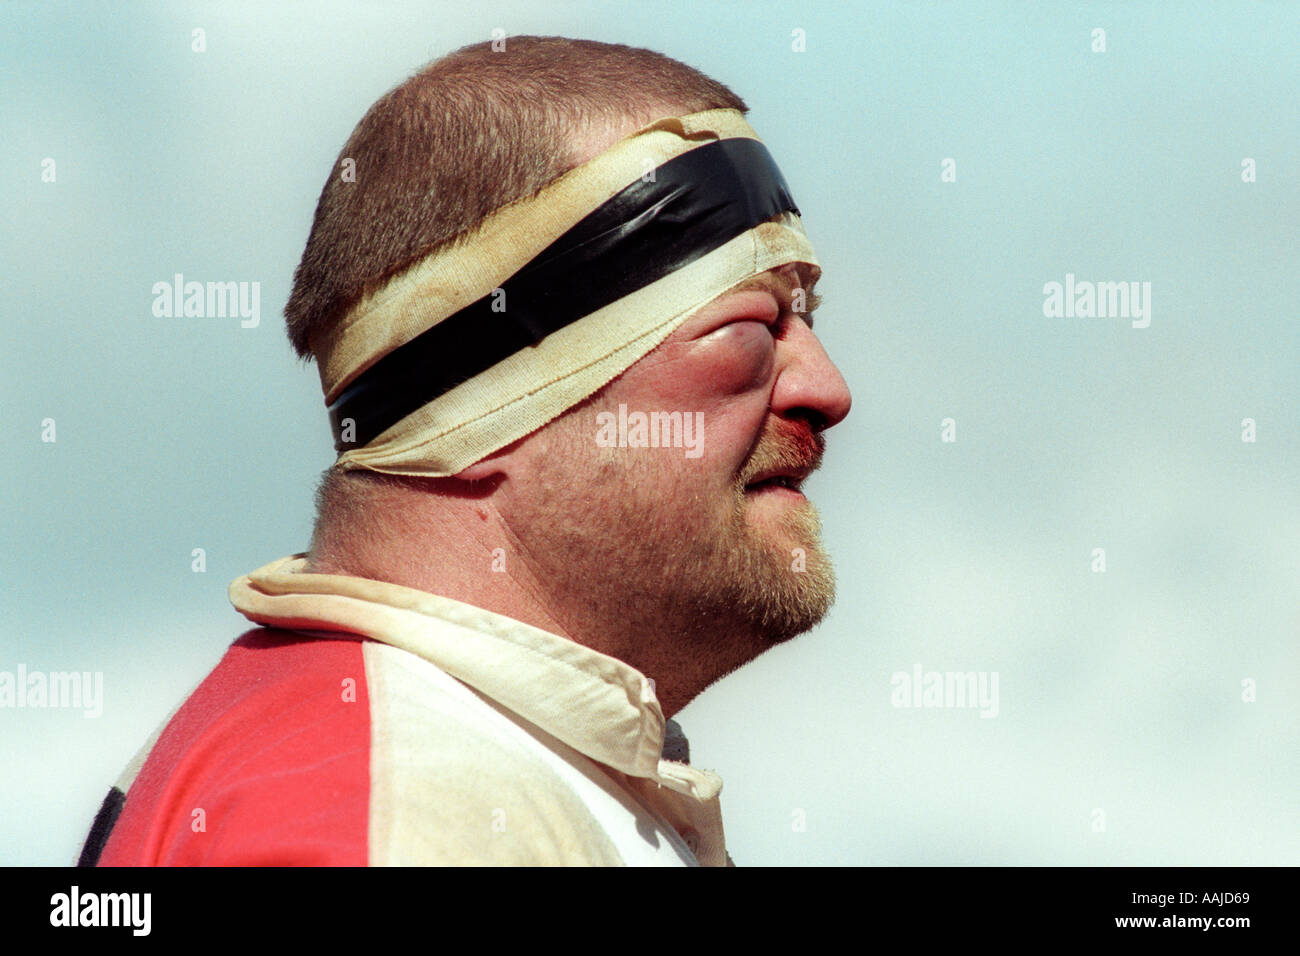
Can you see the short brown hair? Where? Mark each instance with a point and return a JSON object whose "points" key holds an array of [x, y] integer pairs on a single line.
{"points": [[464, 136]]}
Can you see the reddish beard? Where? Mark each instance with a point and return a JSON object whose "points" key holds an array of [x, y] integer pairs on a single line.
{"points": [[784, 444]]}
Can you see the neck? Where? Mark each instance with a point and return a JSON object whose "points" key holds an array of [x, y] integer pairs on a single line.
{"points": [[457, 547], [435, 535]]}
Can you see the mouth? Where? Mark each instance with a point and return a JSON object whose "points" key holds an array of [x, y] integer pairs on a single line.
{"points": [[786, 483], [781, 461]]}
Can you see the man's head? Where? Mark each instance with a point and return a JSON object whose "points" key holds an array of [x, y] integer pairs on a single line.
{"points": [[683, 562], [466, 135]]}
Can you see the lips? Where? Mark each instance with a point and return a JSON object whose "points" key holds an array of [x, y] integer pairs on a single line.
{"points": [[783, 479], [787, 452]]}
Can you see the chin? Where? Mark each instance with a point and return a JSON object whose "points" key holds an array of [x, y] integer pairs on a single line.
{"points": [[794, 590], [799, 609]]}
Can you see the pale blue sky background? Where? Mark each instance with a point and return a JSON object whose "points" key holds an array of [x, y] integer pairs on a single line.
{"points": [[1118, 691]]}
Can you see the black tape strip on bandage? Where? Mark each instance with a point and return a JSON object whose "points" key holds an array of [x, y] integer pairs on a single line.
{"points": [[695, 203]]}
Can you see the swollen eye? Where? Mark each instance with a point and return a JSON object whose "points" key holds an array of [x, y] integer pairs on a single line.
{"points": [[739, 356]]}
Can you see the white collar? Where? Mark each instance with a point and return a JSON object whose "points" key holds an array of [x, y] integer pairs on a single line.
{"points": [[596, 704]]}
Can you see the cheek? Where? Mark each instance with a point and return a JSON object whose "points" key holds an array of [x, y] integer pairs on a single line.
{"points": [[737, 358]]}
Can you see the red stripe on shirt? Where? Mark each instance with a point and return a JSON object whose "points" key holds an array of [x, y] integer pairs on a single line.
{"points": [[266, 764]]}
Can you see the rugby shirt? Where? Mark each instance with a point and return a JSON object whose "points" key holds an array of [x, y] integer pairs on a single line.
{"points": [[366, 723]]}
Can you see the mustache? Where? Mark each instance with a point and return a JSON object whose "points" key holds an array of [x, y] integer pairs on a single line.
{"points": [[784, 444]]}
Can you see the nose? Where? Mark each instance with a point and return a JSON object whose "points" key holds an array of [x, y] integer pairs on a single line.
{"points": [[808, 383]]}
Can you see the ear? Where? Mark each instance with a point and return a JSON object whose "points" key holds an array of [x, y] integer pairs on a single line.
{"points": [[500, 462], [481, 469]]}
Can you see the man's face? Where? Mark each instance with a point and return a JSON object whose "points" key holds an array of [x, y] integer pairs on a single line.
{"points": [[708, 541]]}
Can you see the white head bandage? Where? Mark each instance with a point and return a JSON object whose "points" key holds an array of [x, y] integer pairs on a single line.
{"points": [[490, 338]]}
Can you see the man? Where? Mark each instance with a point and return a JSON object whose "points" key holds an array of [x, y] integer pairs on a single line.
{"points": [[558, 294]]}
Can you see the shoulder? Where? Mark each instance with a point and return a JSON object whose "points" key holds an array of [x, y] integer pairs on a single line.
{"points": [[265, 763], [298, 750]]}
